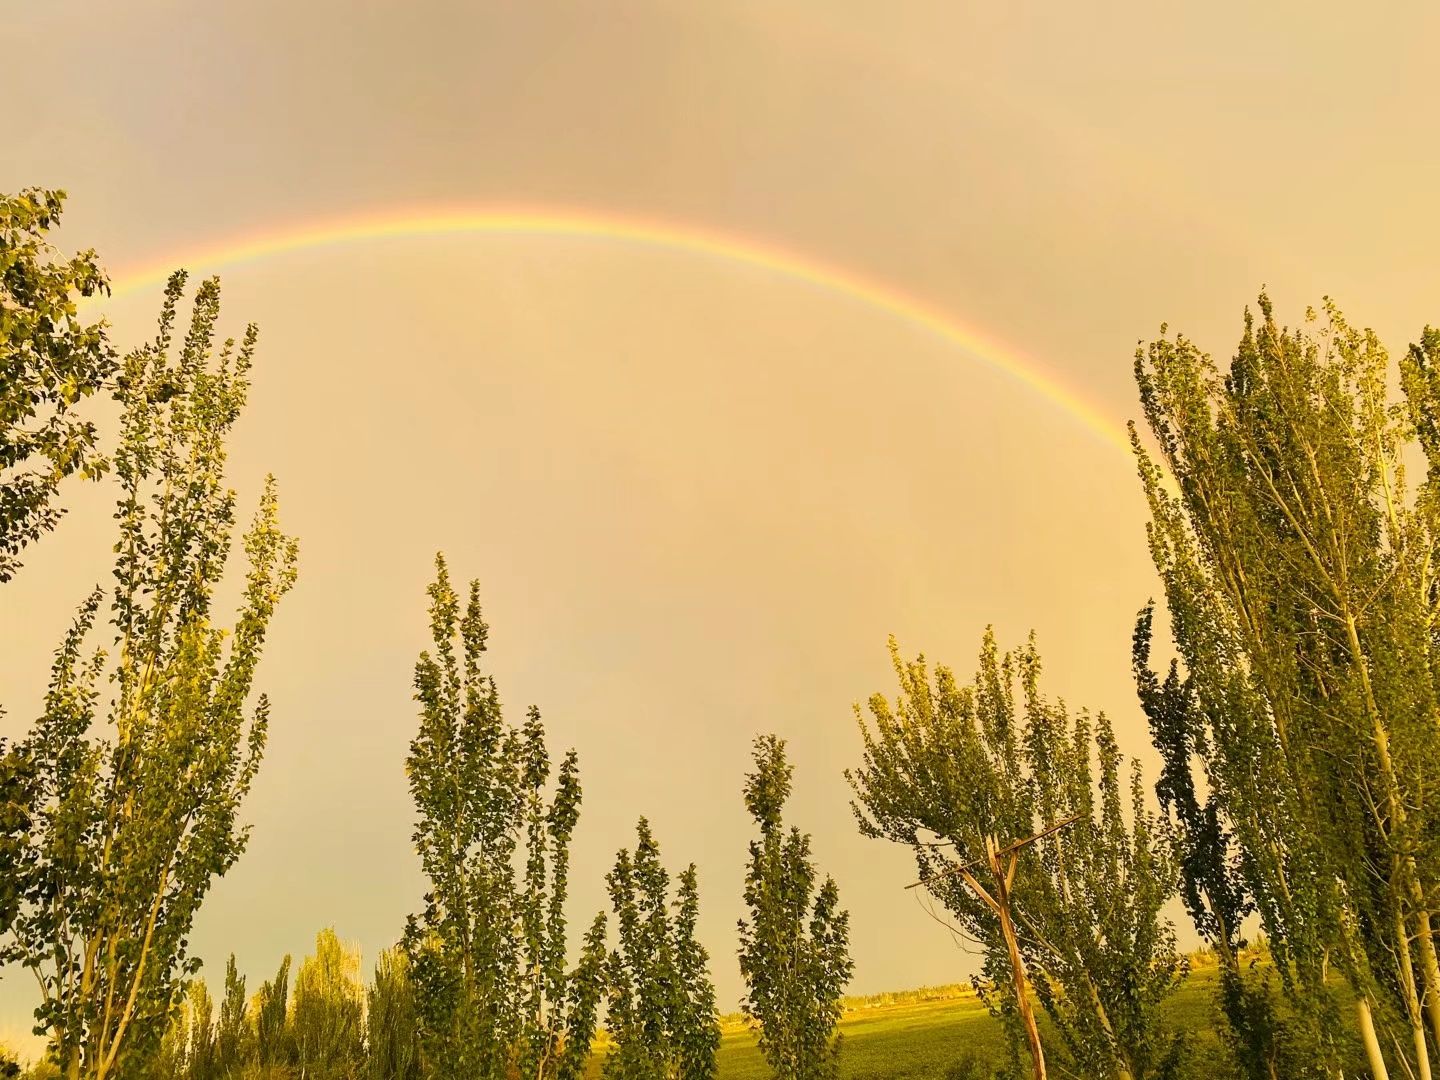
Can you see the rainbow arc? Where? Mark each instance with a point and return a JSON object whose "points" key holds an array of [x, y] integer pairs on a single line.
{"points": [[674, 236]]}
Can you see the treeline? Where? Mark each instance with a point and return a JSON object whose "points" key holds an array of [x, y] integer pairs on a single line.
{"points": [[1298, 730]]}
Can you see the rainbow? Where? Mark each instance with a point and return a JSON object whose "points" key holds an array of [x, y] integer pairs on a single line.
{"points": [[669, 235]]}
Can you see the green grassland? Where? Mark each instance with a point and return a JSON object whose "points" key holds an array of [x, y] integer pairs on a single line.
{"points": [[926, 1039], [918, 1040]]}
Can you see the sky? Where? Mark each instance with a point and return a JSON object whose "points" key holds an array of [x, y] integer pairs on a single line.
{"points": [[699, 491]]}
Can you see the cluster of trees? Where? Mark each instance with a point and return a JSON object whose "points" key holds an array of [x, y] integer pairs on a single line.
{"points": [[1300, 575], [121, 807], [1298, 731]]}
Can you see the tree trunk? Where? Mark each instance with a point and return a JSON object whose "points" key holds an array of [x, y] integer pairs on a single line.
{"points": [[1429, 970], [1372, 1041], [1017, 965], [1413, 1011], [1122, 1064]]}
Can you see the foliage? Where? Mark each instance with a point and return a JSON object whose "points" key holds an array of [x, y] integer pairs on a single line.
{"points": [[487, 954], [274, 1044], [187, 1050], [392, 1044], [131, 828], [662, 1017], [234, 1042], [949, 769], [50, 360], [328, 1011], [17, 799], [794, 950], [1212, 879], [1300, 577]]}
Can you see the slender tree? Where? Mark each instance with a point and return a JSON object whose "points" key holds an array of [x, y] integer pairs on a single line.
{"points": [[274, 1043], [130, 830], [50, 360], [234, 1044], [1300, 575], [487, 953], [328, 1012], [960, 773], [392, 1041], [662, 1016], [200, 1043], [794, 949]]}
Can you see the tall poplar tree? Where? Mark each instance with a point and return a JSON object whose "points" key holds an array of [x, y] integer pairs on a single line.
{"points": [[1300, 576], [274, 1044], [794, 949], [143, 756], [328, 1013], [392, 1050], [234, 1042], [662, 1017], [487, 953], [952, 771]]}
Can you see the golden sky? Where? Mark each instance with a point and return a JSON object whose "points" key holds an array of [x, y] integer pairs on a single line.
{"points": [[699, 492]]}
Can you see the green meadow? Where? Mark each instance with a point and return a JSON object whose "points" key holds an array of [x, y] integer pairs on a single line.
{"points": [[957, 1039]]}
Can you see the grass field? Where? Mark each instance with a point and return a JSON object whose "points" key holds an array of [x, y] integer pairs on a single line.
{"points": [[917, 1041]]}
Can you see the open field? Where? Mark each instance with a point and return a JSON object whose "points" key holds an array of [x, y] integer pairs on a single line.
{"points": [[924, 1040]]}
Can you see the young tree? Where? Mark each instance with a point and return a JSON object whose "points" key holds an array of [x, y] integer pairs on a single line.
{"points": [[274, 1044], [487, 954], [50, 360], [959, 773], [1300, 575], [200, 1043], [186, 1050], [392, 1042], [794, 951], [328, 1011], [662, 1017], [233, 1038], [130, 830]]}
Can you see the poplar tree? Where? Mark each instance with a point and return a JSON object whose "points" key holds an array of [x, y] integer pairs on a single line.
{"points": [[1213, 882], [187, 1050], [1300, 575], [50, 361], [794, 950], [392, 1041], [142, 758], [274, 1046], [487, 953], [328, 1011], [233, 1038], [662, 1016], [952, 771], [200, 1061]]}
